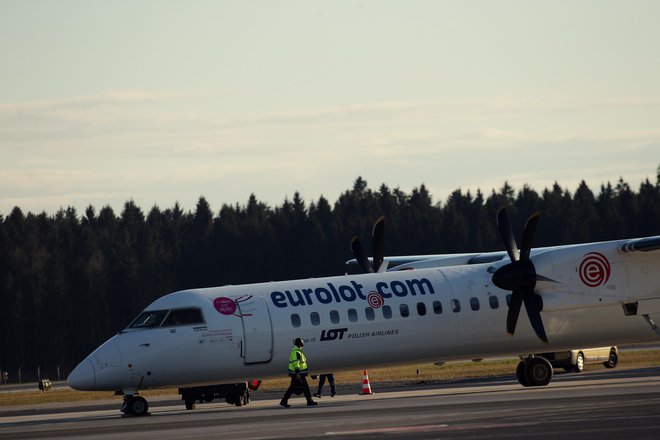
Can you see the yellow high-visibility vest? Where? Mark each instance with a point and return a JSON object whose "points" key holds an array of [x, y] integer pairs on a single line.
{"points": [[297, 361]]}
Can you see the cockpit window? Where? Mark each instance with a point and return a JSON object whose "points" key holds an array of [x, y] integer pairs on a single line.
{"points": [[184, 317], [149, 319], [156, 318]]}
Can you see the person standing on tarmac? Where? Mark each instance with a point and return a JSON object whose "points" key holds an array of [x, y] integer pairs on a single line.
{"points": [[331, 380], [298, 373]]}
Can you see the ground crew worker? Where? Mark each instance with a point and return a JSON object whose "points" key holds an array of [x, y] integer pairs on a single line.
{"points": [[331, 378], [298, 373]]}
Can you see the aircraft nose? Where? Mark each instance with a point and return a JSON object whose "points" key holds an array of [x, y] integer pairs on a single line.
{"points": [[82, 377]]}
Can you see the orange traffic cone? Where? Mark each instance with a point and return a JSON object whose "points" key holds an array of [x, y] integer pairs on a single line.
{"points": [[366, 388]]}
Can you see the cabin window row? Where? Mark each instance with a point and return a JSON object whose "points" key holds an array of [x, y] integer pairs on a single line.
{"points": [[404, 311]]}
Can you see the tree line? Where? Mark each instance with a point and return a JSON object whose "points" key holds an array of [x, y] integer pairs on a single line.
{"points": [[70, 281]]}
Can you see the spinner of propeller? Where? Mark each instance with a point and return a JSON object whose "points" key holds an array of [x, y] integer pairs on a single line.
{"points": [[519, 276]]}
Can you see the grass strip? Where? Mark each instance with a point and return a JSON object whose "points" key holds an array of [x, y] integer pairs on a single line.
{"points": [[401, 374]]}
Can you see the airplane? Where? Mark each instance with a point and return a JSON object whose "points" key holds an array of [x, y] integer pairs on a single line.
{"points": [[209, 342]]}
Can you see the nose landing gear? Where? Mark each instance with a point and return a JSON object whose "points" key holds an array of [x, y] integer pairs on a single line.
{"points": [[135, 405]]}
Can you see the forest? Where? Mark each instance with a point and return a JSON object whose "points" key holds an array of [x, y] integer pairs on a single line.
{"points": [[70, 280]]}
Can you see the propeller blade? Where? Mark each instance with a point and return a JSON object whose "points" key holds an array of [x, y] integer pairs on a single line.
{"points": [[528, 235], [534, 314], [520, 275], [360, 256], [378, 242], [514, 311], [504, 226]]}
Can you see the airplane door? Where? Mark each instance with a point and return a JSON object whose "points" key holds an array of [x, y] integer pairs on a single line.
{"points": [[257, 330]]}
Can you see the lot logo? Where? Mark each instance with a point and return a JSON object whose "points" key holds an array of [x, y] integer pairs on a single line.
{"points": [[333, 334], [595, 270]]}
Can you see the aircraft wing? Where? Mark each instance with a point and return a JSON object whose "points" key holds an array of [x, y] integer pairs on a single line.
{"points": [[437, 260], [407, 262]]}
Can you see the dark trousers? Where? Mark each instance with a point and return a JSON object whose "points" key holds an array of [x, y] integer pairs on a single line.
{"points": [[331, 380], [297, 386]]}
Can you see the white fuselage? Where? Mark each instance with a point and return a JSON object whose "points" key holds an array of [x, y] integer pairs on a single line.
{"points": [[363, 321]]}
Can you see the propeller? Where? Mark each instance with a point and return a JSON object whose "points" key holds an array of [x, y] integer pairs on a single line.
{"points": [[377, 245], [520, 276]]}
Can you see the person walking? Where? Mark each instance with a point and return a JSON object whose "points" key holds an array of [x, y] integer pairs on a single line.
{"points": [[331, 379], [298, 373]]}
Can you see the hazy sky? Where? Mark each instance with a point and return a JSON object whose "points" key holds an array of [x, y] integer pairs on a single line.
{"points": [[164, 101]]}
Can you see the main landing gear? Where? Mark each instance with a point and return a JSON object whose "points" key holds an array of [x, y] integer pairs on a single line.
{"points": [[135, 405], [534, 371]]}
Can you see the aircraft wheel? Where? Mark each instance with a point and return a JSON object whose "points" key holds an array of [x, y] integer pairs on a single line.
{"points": [[520, 374], [579, 363], [238, 399], [538, 372], [613, 360], [140, 406], [135, 405], [190, 404]]}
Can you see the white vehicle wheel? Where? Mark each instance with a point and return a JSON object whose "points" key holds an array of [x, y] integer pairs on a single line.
{"points": [[612, 360], [579, 363]]}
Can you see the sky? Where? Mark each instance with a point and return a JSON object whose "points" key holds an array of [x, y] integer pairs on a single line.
{"points": [[162, 102]]}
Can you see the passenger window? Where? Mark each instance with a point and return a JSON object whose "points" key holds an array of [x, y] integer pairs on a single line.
{"points": [[370, 314], [455, 305], [494, 302], [315, 318], [403, 309], [387, 312], [295, 320], [189, 316], [421, 309], [474, 303], [352, 315], [334, 316], [437, 307], [149, 319]]}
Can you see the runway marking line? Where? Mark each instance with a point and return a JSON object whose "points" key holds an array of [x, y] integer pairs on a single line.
{"points": [[428, 428]]}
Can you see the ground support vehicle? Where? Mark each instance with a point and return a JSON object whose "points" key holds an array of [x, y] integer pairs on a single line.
{"points": [[575, 360], [234, 394]]}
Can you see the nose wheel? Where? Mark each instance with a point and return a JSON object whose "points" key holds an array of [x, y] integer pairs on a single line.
{"points": [[135, 406]]}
